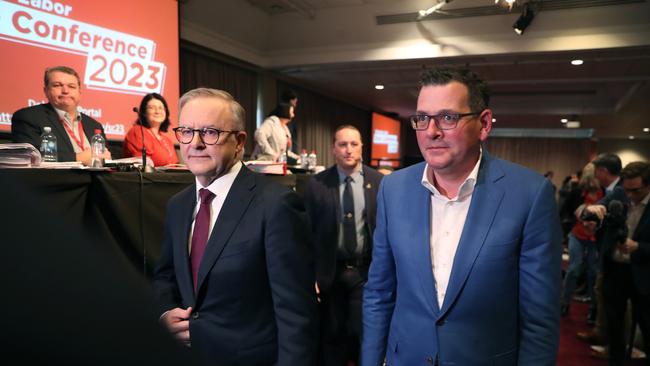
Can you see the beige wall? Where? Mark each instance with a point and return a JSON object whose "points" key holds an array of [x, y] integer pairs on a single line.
{"points": [[627, 150]]}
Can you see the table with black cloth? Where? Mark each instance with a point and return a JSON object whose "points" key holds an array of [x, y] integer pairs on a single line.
{"points": [[125, 209]]}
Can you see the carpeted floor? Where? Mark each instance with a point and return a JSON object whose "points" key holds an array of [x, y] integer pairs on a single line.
{"points": [[573, 351]]}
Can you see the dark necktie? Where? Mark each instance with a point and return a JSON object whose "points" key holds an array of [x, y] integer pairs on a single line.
{"points": [[200, 233], [349, 223]]}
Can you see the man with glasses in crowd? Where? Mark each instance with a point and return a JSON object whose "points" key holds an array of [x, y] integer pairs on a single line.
{"points": [[466, 253], [235, 277]]}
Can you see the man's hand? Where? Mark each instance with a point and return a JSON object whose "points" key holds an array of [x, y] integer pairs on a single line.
{"points": [[599, 210], [177, 321], [630, 246], [317, 291]]}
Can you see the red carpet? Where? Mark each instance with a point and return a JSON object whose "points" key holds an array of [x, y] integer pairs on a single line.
{"points": [[573, 351]]}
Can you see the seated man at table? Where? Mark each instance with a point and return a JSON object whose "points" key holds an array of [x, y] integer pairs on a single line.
{"points": [[73, 129]]}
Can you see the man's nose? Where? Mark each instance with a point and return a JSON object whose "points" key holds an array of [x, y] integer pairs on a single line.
{"points": [[432, 130]]}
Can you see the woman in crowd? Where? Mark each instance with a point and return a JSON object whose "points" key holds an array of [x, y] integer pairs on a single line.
{"points": [[582, 241], [272, 138], [153, 115]]}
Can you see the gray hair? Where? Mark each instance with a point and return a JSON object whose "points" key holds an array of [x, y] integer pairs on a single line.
{"points": [[237, 111], [63, 69]]}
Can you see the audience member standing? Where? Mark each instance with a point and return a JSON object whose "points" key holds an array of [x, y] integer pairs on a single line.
{"points": [[341, 202], [235, 275], [466, 254], [272, 137], [73, 129]]}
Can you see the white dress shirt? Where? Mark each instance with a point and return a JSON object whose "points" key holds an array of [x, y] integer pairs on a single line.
{"points": [[447, 222], [220, 187]]}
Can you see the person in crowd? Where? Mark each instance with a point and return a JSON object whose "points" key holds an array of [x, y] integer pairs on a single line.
{"points": [[569, 199], [150, 128], [583, 252], [341, 202], [290, 97], [272, 138], [235, 277], [607, 170], [73, 129], [467, 250], [549, 175], [626, 258]]}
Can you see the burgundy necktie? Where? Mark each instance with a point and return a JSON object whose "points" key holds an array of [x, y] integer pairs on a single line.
{"points": [[200, 233]]}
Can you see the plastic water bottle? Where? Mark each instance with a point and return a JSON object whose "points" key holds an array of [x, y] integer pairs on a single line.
{"points": [[303, 159], [48, 145], [98, 147], [312, 159]]}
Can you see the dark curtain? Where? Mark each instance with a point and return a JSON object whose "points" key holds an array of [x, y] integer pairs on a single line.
{"points": [[201, 67], [318, 116]]}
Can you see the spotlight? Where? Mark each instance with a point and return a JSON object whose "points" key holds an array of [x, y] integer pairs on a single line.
{"points": [[577, 62], [564, 120], [379, 87], [524, 20], [646, 129]]}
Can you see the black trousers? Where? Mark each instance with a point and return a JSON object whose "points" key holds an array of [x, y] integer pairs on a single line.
{"points": [[618, 287], [340, 312]]}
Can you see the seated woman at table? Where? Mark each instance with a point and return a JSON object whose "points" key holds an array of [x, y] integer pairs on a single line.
{"points": [[153, 122], [272, 138]]}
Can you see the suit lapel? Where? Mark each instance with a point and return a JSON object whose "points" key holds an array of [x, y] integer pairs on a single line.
{"points": [[183, 273], [87, 127], [234, 207], [486, 199], [643, 222], [419, 237]]}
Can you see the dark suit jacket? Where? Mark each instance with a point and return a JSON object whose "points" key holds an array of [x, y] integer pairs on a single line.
{"points": [[322, 199], [27, 126], [255, 303]]}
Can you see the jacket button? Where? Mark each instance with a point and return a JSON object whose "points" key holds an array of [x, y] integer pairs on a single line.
{"points": [[195, 315], [430, 360]]}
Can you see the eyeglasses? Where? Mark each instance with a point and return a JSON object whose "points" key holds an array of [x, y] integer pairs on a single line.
{"points": [[209, 136], [443, 120], [633, 190]]}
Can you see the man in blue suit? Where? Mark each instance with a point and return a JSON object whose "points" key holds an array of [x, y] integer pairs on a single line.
{"points": [[466, 259], [235, 277]]}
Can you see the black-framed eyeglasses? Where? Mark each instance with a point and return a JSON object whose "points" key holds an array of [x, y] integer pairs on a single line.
{"points": [[443, 120], [209, 135]]}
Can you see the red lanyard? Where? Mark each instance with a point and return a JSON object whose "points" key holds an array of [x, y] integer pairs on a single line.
{"points": [[79, 141]]}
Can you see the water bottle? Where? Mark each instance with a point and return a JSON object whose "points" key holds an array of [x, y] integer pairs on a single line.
{"points": [[303, 159], [312, 159], [97, 148], [48, 145]]}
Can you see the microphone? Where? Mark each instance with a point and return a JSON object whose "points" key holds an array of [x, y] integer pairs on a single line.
{"points": [[144, 149]]}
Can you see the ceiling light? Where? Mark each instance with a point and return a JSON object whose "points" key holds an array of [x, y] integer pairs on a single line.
{"points": [[577, 62], [524, 20], [564, 120], [646, 129], [379, 87], [494, 120], [631, 137]]}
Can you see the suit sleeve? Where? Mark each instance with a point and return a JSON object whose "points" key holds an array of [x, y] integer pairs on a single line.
{"points": [[164, 278], [379, 292], [289, 258], [540, 282], [24, 129]]}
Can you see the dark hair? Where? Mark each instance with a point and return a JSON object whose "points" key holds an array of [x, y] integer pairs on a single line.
{"points": [[611, 162], [477, 90], [142, 112], [63, 69], [637, 169], [345, 127], [287, 96], [282, 110]]}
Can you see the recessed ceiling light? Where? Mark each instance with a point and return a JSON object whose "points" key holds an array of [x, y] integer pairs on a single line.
{"points": [[564, 120], [577, 62], [494, 120], [379, 87], [631, 137], [646, 129]]}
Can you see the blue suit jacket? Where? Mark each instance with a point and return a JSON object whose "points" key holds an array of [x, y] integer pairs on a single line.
{"points": [[503, 299], [255, 302]]}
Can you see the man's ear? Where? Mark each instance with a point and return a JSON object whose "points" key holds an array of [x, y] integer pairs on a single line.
{"points": [[486, 124]]}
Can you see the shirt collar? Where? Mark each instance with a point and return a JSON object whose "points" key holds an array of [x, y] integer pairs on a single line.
{"points": [[65, 115], [221, 185], [612, 185], [466, 188], [356, 176]]}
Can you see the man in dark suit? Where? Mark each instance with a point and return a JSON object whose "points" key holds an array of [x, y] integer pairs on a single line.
{"points": [[626, 260], [235, 277], [343, 237], [73, 129]]}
